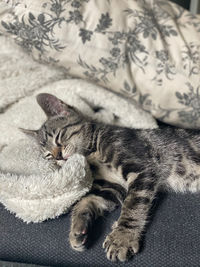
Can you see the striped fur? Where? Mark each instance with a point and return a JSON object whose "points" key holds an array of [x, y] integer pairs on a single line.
{"points": [[129, 168]]}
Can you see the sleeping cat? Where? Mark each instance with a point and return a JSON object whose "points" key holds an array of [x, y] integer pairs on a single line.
{"points": [[129, 165]]}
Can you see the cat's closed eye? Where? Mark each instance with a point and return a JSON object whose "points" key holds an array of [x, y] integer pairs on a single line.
{"points": [[48, 156]]}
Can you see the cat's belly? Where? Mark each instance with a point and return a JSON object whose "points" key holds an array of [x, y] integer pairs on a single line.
{"points": [[107, 172], [112, 175], [185, 176]]}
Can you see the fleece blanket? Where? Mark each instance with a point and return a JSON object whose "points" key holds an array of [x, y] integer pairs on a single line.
{"points": [[31, 187]]}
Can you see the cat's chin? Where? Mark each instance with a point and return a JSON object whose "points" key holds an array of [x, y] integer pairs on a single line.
{"points": [[61, 162], [66, 157]]}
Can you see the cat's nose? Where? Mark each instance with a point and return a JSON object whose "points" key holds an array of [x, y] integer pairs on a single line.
{"points": [[59, 156], [57, 153]]}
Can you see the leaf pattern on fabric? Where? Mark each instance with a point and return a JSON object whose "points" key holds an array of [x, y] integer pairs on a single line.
{"points": [[191, 101], [191, 59], [143, 99], [141, 52], [104, 23], [164, 67], [152, 22], [38, 33], [135, 52], [85, 35], [194, 21]]}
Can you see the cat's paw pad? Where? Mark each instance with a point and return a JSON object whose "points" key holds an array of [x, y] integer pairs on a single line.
{"points": [[79, 232], [120, 245]]}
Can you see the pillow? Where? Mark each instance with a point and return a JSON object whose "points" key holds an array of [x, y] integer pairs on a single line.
{"points": [[147, 50]]}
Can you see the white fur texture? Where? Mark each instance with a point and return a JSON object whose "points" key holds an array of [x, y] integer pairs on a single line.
{"points": [[42, 191], [29, 187]]}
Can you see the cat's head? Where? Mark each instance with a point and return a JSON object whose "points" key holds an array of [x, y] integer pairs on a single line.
{"points": [[62, 134]]}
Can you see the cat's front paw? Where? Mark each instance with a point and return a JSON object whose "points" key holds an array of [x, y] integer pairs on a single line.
{"points": [[79, 231], [121, 244]]}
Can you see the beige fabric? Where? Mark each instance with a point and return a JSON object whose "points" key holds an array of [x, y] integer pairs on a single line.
{"points": [[147, 49]]}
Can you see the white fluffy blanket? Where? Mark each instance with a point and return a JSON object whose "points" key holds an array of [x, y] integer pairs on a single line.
{"points": [[31, 187]]}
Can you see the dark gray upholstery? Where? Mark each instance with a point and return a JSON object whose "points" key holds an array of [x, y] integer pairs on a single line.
{"points": [[15, 264], [172, 238]]}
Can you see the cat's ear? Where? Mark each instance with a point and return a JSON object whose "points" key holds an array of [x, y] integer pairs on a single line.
{"points": [[52, 106], [32, 133]]}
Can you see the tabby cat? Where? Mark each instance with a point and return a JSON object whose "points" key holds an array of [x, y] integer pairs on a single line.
{"points": [[129, 165]]}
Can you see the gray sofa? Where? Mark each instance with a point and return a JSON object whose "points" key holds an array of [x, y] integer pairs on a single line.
{"points": [[172, 237]]}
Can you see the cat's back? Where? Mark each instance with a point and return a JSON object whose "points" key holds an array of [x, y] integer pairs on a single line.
{"points": [[172, 152], [183, 138], [164, 142]]}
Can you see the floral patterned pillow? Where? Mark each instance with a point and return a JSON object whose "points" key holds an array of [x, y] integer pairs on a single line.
{"points": [[148, 50]]}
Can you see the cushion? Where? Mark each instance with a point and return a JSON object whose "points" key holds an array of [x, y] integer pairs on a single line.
{"points": [[171, 239], [148, 50]]}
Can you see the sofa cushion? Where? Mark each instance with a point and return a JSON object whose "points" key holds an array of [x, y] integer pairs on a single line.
{"points": [[171, 239]]}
